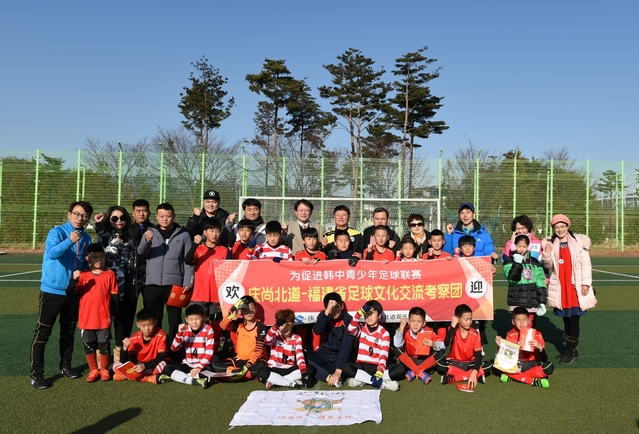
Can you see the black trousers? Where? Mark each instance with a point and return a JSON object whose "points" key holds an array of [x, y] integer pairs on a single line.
{"points": [[124, 319], [50, 306], [155, 297]]}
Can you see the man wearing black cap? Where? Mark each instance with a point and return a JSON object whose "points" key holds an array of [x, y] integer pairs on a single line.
{"points": [[210, 209], [467, 225]]}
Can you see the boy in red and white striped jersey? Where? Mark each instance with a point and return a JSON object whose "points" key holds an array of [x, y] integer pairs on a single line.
{"points": [[372, 352], [198, 340], [273, 248], [286, 365]]}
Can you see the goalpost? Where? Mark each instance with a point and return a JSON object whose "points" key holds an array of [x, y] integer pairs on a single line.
{"points": [[281, 209]]}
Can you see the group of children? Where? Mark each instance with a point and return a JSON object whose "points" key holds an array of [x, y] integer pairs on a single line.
{"points": [[276, 356]]}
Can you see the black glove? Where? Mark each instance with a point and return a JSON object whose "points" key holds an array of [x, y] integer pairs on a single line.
{"points": [[352, 261], [332, 254], [252, 244], [280, 322], [277, 259]]}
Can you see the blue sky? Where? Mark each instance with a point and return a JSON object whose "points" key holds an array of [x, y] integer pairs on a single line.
{"points": [[538, 75]]}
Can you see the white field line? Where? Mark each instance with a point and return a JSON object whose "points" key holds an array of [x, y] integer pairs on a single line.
{"points": [[616, 274], [20, 274]]}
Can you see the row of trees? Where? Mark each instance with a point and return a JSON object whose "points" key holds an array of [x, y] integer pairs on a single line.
{"points": [[384, 120]]}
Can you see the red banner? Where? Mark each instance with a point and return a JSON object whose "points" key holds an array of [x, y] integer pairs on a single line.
{"points": [[436, 286]]}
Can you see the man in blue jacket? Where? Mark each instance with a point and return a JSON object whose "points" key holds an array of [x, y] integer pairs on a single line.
{"points": [[467, 225], [64, 251]]}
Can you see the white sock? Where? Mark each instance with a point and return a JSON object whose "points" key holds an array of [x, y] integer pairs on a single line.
{"points": [[363, 376], [386, 376], [277, 379], [295, 375], [181, 377]]}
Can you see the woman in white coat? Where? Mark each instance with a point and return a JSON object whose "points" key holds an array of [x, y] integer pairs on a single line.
{"points": [[570, 290]]}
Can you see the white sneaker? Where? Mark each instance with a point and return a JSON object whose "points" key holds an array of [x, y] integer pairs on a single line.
{"points": [[390, 385], [352, 382], [339, 384]]}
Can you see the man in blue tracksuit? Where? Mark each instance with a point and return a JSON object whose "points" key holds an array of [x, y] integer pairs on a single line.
{"points": [[65, 251], [467, 225]]}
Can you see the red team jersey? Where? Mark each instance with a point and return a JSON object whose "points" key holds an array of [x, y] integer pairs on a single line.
{"points": [[204, 286], [265, 251], [463, 350], [199, 347], [526, 356], [143, 352], [442, 255], [373, 344], [285, 354], [304, 254], [387, 254], [239, 251], [410, 342], [95, 291]]}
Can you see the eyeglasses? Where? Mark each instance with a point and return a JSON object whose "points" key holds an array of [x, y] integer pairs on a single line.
{"points": [[81, 216], [417, 225], [115, 218]]}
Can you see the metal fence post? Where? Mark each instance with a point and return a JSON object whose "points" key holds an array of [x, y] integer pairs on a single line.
{"points": [[77, 179], [322, 188], [515, 184], [202, 174], [120, 176], [161, 172], [35, 200], [476, 186], [587, 197], [623, 204]]}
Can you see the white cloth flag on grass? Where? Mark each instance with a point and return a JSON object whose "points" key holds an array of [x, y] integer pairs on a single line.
{"points": [[296, 407]]}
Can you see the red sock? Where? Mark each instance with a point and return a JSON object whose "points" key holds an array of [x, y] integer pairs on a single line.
{"points": [[92, 360], [409, 363], [105, 361], [519, 376], [428, 363]]}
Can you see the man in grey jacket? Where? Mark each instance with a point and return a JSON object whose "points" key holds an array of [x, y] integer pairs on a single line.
{"points": [[164, 247]]}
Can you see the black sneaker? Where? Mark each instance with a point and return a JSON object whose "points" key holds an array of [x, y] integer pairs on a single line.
{"points": [[39, 382], [69, 373], [448, 379]]}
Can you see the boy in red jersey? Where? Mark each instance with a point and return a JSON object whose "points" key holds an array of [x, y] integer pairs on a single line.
{"points": [[249, 341], [311, 253], [534, 365], [464, 361], [146, 349], [245, 231], [286, 364], [436, 250], [198, 340], [98, 291], [202, 257], [417, 357], [372, 351], [273, 248], [380, 250]]}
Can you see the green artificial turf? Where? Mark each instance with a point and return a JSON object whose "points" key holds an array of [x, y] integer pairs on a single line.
{"points": [[595, 394]]}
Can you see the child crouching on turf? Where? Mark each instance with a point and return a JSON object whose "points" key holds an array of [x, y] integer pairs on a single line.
{"points": [[464, 361], [249, 333], [534, 365], [372, 351], [146, 349], [286, 365], [98, 291], [414, 342], [199, 341]]}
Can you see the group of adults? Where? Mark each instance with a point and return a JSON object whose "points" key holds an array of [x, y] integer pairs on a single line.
{"points": [[148, 259]]}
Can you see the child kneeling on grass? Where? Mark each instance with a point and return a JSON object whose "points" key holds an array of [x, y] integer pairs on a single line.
{"points": [[464, 361], [198, 340], [414, 348], [98, 291], [146, 349], [286, 364], [534, 365], [372, 351]]}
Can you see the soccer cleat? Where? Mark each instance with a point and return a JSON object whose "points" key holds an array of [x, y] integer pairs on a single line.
{"points": [[163, 378], [505, 378], [39, 382], [153, 379], [352, 382], [118, 377], [390, 385], [69, 373], [93, 376], [541, 382], [481, 379], [410, 375], [448, 379], [204, 382], [297, 384], [105, 375], [424, 377], [339, 384]]}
